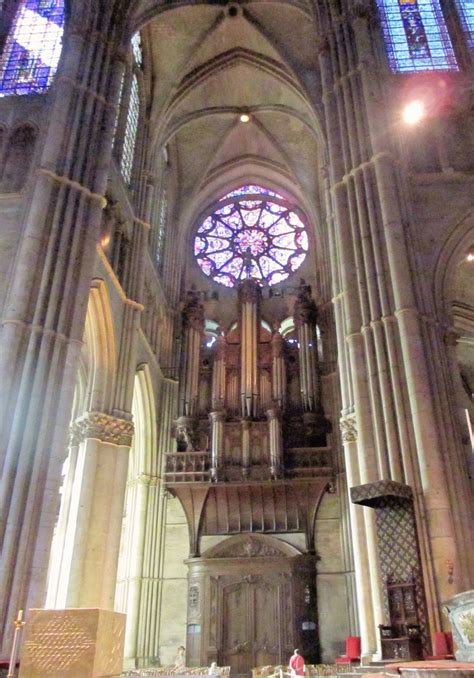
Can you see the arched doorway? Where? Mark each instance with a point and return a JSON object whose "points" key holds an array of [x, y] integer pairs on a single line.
{"points": [[251, 600]]}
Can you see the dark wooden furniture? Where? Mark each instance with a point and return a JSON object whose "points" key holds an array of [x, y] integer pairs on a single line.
{"points": [[401, 639]]}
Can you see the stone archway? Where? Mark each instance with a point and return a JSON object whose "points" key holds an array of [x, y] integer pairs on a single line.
{"points": [[250, 600]]}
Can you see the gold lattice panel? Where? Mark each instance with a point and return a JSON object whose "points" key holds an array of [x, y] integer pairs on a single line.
{"points": [[76, 643]]}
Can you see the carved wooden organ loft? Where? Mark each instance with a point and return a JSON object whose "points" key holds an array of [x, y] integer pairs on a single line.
{"points": [[252, 452]]}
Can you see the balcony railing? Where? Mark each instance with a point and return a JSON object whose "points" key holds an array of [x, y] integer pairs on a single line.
{"points": [[300, 462], [188, 467]]}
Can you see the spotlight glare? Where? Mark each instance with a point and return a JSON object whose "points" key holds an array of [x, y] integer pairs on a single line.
{"points": [[470, 256], [244, 117], [413, 112]]}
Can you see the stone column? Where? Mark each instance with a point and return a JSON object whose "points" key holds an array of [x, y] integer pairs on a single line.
{"points": [[249, 298], [278, 370], [217, 419], [96, 511], [359, 544], [43, 317], [276, 442]]}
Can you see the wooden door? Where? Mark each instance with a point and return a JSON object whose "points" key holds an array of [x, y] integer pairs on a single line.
{"points": [[251, 625]]}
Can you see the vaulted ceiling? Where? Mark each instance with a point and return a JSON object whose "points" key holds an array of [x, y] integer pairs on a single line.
{"points": [[213, 62]]}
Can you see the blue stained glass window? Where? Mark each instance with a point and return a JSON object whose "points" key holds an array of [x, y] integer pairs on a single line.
{"points": [[131, 130], [33, 47], [466, 14], [254, 234], [416, 37]]}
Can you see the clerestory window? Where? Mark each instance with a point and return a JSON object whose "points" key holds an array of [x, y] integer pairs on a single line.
{"points": [[33, 48], [416, 36]]}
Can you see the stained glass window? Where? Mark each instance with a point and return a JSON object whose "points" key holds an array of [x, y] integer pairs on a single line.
{"points": [[131, 130], [137, 49], [161, 226], [252, 234], [33, 47], [466, 15], [416, 37]]}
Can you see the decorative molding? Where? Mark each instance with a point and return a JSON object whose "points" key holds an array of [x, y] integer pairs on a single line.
{"points": [[103, 427], [249, 291], [348, 425], [251, 547]]}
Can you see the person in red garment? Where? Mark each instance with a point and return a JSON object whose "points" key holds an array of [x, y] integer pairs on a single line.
{"points": [[296, 664]]}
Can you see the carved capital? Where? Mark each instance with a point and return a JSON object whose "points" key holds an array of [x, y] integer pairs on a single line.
{"points": [[305, 311], [348, 428], [103, 427], [193, 311], [217, 416], [249, 290]]}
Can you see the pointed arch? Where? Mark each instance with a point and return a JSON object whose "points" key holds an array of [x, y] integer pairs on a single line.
{"points": [[100, 349], [143, 455]]}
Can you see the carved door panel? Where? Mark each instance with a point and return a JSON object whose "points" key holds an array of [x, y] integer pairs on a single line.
{"points": [[236, 637], [250, 625], [266, 624]]}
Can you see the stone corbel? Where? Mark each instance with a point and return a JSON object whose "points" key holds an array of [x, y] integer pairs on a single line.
{"points": [[348, 427]]}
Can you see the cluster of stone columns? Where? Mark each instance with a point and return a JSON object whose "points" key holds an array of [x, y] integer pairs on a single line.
{"points": [[43, 318], [389, 421]]}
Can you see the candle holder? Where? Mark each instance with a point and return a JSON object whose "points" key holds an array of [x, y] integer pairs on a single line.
{"points": [[19, 624]]}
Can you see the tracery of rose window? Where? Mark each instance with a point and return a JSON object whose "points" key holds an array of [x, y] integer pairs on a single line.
{"points": [[253, 233]]}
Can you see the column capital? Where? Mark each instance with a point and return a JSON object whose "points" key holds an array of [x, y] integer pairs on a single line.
{"points": [[217, 415], [103, 427], [305, 310], [249, 290], [273, 413], [193, 311], [348, 425]]}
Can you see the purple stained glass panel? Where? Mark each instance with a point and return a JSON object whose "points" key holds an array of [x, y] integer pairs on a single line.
{"points": [[416, 36], [259, 238], [250, 189], [33, 48]]}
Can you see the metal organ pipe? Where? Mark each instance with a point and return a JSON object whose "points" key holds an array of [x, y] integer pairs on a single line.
{"points": [[193, 326], [305, 316], [249, 314], [278, 370], [219, 375]]}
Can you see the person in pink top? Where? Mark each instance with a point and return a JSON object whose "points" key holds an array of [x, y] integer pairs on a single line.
{"points": [[296, 664]]}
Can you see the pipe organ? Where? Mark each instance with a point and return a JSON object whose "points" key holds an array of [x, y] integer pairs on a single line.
{"points": [[264, 388]]}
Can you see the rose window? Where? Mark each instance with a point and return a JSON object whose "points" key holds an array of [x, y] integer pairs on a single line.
{"points": [[252, 233]]}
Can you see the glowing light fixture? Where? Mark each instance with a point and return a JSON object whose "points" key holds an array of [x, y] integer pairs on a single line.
{"points": [[244, 117], [414, 112]]}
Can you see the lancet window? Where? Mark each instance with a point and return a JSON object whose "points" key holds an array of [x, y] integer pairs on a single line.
{"points": [[416, 36], [126, 129], [131, 129], [252, 233], [33, 48]]}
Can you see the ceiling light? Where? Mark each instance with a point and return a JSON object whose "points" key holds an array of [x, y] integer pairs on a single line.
{"points": [[470, 255], [244, 117], [413, 112]]}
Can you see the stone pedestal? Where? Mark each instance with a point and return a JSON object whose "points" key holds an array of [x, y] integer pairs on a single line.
{"points": [[73, 643], [461, 615]]}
